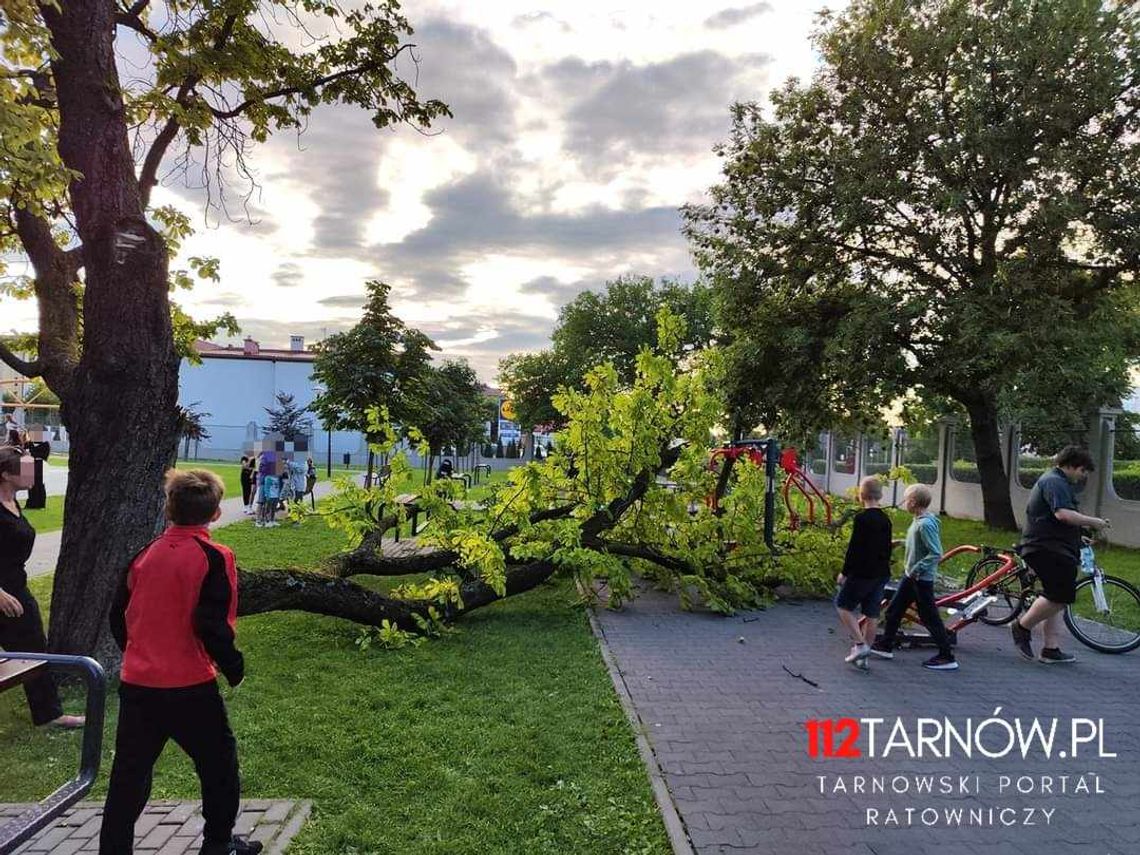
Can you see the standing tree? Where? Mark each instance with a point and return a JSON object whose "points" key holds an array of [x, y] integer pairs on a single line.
{"points": [[191, 427], [611, 326], [948, 207], [448, 408], [75, 202], [373, 364], [288, 419]]}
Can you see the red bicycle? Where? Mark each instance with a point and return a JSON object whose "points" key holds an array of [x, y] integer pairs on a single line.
{"points": [[1104, 616]]}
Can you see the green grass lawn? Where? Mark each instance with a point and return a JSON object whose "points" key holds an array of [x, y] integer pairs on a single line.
{"points": [[48, 518], [505, 737]]}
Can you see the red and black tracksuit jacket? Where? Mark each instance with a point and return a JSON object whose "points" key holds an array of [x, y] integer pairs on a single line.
{"points": [[173, 616], [175, 612]]}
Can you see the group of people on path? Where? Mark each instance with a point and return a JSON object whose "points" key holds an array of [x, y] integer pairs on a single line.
{"points": [[264, 492], [1051, 546]]}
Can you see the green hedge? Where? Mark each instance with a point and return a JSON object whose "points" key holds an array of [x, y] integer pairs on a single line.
{"points": [[1126, 483], [966, 472], [924, 473]]}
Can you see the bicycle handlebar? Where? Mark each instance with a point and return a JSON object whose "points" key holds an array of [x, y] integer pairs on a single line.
{"points": [[958, 550]]}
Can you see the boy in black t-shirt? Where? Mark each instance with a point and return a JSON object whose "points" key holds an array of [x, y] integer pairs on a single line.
{"points": [[866, 570]]}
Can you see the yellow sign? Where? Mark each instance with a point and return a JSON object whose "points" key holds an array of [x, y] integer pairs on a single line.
{"points": [[507, 411]]}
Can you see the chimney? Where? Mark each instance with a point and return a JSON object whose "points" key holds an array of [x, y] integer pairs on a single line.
{"points": [[252, 348], [297, 343]]}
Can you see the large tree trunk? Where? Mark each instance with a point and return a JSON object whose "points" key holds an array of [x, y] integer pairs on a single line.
{"points": [[120, 404], [996, 503]]}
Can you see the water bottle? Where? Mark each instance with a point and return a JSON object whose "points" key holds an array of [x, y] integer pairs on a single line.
{"points": [[1088, 561]]}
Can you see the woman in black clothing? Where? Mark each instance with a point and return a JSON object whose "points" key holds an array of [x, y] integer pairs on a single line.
{"points": [[21, 628], [247, 484]]}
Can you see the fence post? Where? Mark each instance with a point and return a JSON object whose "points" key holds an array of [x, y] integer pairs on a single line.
{"points": [[830, 447], [899, 440], [946, 428], [1103, 440], [1013, 444]]}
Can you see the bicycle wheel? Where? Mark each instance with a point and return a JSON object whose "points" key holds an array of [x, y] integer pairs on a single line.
{"points": [[1009, 590], [1115, 628]]}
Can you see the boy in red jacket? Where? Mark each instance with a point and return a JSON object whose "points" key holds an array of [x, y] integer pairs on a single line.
{"points": [[173, 617]]}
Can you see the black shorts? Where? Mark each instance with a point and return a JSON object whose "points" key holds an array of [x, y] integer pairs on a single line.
{"points": [[1058, 575], [865, 595]]}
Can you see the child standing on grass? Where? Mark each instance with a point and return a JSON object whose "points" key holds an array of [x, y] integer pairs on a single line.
{"points": [[923, 552], [174, 616], [270, 497], [866, 570]]}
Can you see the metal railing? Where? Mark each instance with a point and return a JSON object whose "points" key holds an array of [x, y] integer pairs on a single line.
{"points": [[33, 820]]}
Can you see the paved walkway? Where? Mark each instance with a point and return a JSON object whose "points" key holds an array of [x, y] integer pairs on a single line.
{"points": [[46, 551], [166, 828], [726, 722]]}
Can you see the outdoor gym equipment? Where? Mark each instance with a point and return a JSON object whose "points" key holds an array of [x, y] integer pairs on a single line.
{"points": [[796, 479], [1000, 586], [15, 668], [761, 452]]}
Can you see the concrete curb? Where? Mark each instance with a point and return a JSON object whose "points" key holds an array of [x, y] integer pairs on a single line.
{"points": [[674, 825], [286, 835]]}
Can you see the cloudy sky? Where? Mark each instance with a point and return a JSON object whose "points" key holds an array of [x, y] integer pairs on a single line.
{"points": [[579, 129]]}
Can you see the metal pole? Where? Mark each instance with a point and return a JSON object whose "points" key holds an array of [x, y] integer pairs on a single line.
{"points": [[328, 457], [771, 461]]}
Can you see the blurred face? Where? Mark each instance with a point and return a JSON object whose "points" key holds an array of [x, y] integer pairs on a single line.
{"points": [[23, 479]]}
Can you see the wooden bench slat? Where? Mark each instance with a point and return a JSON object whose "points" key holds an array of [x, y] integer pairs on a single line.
{"points": [[15, 671]]}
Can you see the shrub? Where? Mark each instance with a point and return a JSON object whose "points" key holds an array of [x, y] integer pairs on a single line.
{"points": [[924, 473]]}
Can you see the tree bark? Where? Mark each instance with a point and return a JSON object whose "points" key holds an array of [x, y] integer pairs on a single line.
{"points": [[996, 502], [120, 403]]}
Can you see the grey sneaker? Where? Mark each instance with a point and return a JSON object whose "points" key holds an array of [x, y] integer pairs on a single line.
{"points": [[1054, 656], [1022, 640], [858, 653]]}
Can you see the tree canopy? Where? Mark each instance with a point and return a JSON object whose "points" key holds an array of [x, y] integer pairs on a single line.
{"points": [[947, 207], [379, 362], [83, 148], [612, 325]]}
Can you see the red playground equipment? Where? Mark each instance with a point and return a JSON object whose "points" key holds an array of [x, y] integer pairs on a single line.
{"points": [[796, 479], [765, 453]]}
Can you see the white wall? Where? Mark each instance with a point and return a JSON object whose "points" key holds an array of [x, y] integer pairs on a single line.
{"points": [[235, 392]]}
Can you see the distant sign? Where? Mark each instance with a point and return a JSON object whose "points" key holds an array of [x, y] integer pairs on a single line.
{"points": [[507, 411]]}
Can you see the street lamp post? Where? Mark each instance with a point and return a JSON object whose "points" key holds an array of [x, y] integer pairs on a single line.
{"points": [[320, 390]]}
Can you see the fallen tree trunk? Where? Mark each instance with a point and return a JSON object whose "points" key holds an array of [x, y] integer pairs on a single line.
{"points": [[337, 596]]}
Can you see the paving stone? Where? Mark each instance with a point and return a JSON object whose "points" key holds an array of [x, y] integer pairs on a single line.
{"points": [[165, 828], [727, 725]]}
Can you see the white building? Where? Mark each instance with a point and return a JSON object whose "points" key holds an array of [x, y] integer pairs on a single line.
{"points": [[235, 385]]}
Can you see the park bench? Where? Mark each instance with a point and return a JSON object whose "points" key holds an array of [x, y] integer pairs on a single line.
{"points": [[15, 668], [410, 502]]}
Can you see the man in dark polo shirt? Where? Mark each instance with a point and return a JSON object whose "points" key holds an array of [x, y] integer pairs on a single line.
{"points": [[1051, 546]]}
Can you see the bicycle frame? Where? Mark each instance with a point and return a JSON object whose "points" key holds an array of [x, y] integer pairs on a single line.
{"points": [[1010, 566]]}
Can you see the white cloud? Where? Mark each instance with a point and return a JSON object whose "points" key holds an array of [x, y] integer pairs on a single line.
{"points": [[579, 130]]}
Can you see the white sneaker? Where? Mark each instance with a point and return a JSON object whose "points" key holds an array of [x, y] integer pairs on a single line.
{"points": [[259, 524], [858, 653]]}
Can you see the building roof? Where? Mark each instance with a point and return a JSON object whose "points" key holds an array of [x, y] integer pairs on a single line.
{"points": [[210, 350]]}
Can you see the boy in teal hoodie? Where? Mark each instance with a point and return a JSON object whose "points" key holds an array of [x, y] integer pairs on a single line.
{"points": [[923, 551]]}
